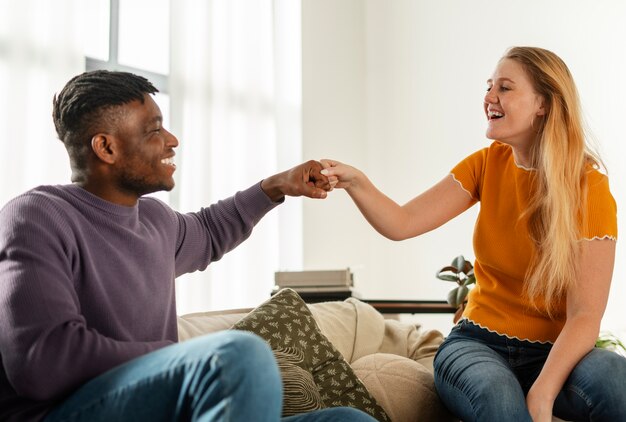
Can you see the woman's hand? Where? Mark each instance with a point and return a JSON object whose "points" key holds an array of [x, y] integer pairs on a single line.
{"points": [[341, 175], [539, 407]]}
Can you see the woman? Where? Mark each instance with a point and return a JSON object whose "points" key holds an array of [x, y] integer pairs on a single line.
{"points": [[544, 245]]}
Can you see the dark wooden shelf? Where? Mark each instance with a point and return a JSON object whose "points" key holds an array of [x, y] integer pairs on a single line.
{"points": [[411, 306], [381, 305]]}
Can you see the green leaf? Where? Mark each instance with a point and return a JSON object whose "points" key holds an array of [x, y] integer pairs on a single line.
{"points": [[467, 267], [469, 280], [459, 263], [611, 342], [457, 296], [454, 270]]}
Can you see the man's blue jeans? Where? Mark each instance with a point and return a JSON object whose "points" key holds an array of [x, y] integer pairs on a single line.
{"points": [[482, 376], [228, 376]]}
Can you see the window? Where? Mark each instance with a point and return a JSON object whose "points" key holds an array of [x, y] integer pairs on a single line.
{"points": [[132, 36]]}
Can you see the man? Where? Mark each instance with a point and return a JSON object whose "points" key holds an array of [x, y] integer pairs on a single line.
{"points": [[87, 310]]}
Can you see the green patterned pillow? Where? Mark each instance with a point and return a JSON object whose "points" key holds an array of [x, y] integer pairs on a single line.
{"points": [[314, 374]]}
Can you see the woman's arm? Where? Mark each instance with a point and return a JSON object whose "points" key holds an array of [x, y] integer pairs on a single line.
{"points": [[426, 212], [586, 303]]}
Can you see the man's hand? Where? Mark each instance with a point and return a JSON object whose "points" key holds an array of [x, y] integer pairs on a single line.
{"points": [[302, 180]]}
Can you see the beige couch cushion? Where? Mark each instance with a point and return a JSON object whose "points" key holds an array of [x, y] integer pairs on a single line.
{"points": [[355, 328], [402, 386], [200, 323], [411, 341]]}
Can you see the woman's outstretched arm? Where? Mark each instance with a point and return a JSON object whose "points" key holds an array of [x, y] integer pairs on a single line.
{"points": [[427, 211]]}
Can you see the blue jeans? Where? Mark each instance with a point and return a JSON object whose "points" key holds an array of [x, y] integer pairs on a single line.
{"points": [[228, 376], [482, 376]]}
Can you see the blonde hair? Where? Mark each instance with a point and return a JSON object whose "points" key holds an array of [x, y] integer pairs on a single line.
{"points": [[560, 156]]}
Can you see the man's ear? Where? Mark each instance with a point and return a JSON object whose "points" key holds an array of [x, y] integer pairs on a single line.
{"points": [[103, 145]]}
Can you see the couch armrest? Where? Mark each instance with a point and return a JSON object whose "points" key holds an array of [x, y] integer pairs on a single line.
{"points": [[200, 323]]}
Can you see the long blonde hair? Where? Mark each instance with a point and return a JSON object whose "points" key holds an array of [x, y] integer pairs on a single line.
{"points": [[560, 156]]}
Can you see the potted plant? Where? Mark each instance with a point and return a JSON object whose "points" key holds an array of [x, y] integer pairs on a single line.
{"points": [[611, 342], [461, 271]]}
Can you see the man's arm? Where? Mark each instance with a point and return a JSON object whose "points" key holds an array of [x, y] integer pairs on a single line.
{"points": [[205, 236]]}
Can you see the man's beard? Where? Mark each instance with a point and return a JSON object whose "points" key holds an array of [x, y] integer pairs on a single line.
{"points": [[140, 186]]}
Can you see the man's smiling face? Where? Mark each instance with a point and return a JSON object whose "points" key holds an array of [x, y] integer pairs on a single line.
{"points": [[147, 160]]}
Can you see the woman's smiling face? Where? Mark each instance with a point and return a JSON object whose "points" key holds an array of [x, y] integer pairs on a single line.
{"points": [[512, 106]]}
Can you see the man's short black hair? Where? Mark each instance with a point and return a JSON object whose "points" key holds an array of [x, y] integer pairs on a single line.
{"points": [[79, 110]]}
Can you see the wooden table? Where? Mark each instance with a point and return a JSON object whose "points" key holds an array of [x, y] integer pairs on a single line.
{"points": [[411, 306], [383, 305]]}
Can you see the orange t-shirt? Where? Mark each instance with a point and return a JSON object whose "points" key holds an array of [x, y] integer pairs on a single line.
{"points": [[503, 247]]}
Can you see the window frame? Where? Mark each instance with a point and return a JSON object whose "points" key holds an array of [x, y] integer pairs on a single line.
{"points": [[160, 80]]}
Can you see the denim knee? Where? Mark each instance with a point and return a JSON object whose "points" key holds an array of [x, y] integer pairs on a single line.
{"points": [[596, 388], [230, 375], [241, 354], [332, 414], [346, 414], [241, 377], [476, 383], [243, 344]]}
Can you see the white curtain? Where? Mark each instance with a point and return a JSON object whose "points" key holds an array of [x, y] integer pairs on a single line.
{"points": [[39, 51], [235, 107]]}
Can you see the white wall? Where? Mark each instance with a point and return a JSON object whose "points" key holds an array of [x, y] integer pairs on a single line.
{"points": [[396, 88]]}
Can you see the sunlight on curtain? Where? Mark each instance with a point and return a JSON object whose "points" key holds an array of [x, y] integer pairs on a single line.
{"points": [[144, 34], [39, 52], [227, 105]]}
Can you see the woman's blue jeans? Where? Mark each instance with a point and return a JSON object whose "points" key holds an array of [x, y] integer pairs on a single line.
{"points": [[483, 376], [228, 376]]}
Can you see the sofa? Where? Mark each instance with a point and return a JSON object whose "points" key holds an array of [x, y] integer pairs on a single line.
{"points": [[393, 360]]}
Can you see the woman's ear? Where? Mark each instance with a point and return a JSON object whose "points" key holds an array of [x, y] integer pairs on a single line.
{"points": [[103, 145], [542, 111]]}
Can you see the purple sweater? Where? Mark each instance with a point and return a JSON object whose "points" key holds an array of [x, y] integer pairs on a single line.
{"points": [[86, 285]]}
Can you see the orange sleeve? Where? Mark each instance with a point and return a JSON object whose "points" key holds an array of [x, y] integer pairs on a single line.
{"points": [[469, 173], [601, 208]]}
